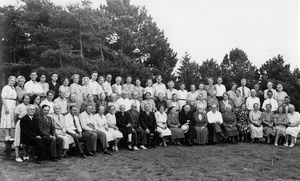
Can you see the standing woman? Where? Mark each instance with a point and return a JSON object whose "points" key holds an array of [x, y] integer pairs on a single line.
{"points": [[242, 119], [182, 95], [170, 91], [192, 95], [267, 118], [9, 97], [281, 122], [36, 101], [174, 125], [231, 92], [225, 103], [174, 103], [200, 126], [255, 123], [65, 87], [201, 102], [202, 91], [149, 88], [44, 85], [212, 100], [238, 101], [85, 88], [76, 89], [20, 88], [138, 88], [161, 122]]}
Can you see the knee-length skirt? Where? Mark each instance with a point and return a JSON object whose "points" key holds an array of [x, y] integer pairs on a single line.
{"points": [[67, 140], [293, 131], [7, 120], [201, 135], [177, 133], [256, 132], [280, 130], [116, 133], [164, 132]]}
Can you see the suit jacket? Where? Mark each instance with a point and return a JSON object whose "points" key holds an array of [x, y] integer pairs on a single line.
{"points": [[46, 126], [135, 119], [148, 121], [29, 129], [122, 120], [54, 88]]}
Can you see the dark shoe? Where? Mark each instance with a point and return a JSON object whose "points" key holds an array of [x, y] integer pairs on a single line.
{"points": [[53, 159], [83, 155], [90, 154], [107, 152]]}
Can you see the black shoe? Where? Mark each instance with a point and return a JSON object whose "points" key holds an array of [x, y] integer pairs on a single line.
{"points": [[83, 155], [53, 159], [90, 154], [107, 152]]}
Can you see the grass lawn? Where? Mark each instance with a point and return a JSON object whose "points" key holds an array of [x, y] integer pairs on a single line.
{"points": [[242, 161]]}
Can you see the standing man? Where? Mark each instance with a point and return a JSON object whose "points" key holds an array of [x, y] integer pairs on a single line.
{"points": [[117, 87], [54, 85], [252, 100], [148, 124], [220, 89], [107, 85], [159, 87], [245, 91], [53, 143], [33, 87], [94, 86]]}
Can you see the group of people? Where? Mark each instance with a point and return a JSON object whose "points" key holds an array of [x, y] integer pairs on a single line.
{"points": [[94, 115]]}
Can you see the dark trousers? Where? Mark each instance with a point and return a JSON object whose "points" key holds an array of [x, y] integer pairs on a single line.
{"points": [[151, 138], [54, 146], [77, 140], [102, 143], [90, 140], [220, 98], [39, 148], [139, 137], [214, 132]]}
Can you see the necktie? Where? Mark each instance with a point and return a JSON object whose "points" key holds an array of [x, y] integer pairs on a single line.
{"points": [[243, 91], [74, 122]]}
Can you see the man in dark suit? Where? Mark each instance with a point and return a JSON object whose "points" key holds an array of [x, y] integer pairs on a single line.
{"points": [[54, 85], [53, 144], [30, 134], [148, 124], [123, 123]]}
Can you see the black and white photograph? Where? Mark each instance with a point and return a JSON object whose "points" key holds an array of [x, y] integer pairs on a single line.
{"points": [[146, 90]]}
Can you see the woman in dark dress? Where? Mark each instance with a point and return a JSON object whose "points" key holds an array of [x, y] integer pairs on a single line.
{"points": [[200, 126], [242, 119], [174, 126], [229, 125], [186, 117]]}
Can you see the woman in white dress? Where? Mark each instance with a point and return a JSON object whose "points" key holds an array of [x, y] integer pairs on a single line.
{"points": [[9, 98], [65, 87], [102, 125], [149, 88], [161, 122], [182, 95], [112, 125], [293, 128], [85, 87], [255, 123], [170, 91]]}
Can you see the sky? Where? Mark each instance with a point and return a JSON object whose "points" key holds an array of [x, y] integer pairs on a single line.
{"points": [[211, 28]]}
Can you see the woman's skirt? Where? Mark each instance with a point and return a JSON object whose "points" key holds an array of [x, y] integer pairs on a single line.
{"points": [[116, 133], [280, 130], [108, 133], [17, 134], [177, 133], [293, 131], [201, 135], [164, 132], [230, 131], [256, 132], [67, 140], [7, 120], [269, 131]]}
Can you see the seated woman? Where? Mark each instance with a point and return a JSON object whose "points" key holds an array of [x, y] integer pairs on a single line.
{"points": [[89, 101], [186, 117], [102, 101], [255, 123], [61, 129], [36, 100], [102, 125], [174, 126], [238, 100], [148, 100], [281, 122], [112, 125], [200, 126], [161, 122], [215, 120], [242, 123], [201, 102], [293, 128], [229, 124], [267, 118], [174, 103], [225, 103]]}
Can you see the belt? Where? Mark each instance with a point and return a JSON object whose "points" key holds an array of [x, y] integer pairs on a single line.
{"points": [[10, 99], [182, 99]]}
